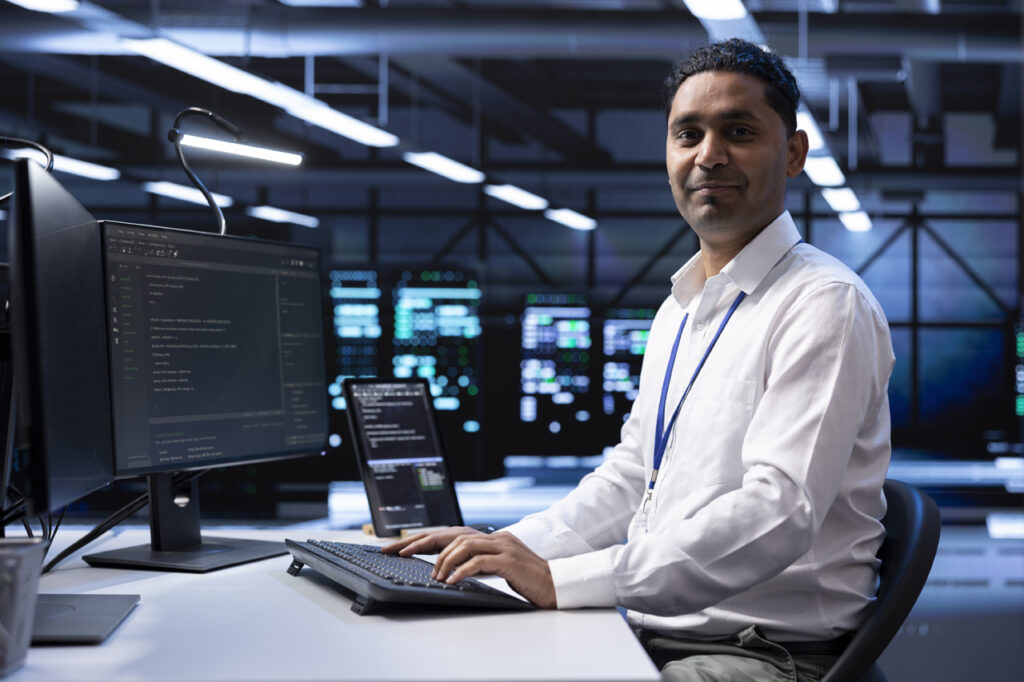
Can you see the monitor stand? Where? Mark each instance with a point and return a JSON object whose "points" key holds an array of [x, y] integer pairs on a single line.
{"points": [[176, 542]]}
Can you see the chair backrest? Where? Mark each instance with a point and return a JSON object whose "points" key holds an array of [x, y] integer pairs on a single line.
{"points": [[911, 538]]}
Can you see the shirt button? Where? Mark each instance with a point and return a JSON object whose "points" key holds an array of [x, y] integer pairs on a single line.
{"points": [[702, 325]]}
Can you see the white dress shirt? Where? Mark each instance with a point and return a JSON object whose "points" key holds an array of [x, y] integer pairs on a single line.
{"points": [[766, 507]]}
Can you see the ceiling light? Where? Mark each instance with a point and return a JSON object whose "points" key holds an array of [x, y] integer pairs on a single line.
{"points": [[570, 218], [319, 114], [718, 10], [516, 196], [841, 199], [279, 215], [66, 164], [824, 171], [322, 3], [287, 158], [54, 6], [857, 221], [442, 165], [806, 123], [183, 193], [296, 103]]}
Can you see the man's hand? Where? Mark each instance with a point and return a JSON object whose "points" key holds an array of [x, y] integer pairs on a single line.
{"points": [[501, 554], [430, 542], [466, 551]]}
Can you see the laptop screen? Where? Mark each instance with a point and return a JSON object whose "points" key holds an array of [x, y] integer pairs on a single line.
{"points": [[401, 457]]}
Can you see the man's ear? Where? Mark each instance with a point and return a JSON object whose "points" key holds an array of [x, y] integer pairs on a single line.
{"points": [[796, 153]]}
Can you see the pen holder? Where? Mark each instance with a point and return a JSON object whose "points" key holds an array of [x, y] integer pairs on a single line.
{"points": [[20, 562]]}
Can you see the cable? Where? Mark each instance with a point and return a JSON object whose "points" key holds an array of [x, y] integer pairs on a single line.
{"points": [[16, 143], [114, 519]]}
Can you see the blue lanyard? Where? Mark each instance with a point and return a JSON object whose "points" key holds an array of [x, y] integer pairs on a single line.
{"points": [[661, 434]]}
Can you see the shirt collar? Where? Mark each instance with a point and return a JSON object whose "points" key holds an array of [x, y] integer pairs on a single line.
{"points": [[748, 267]]}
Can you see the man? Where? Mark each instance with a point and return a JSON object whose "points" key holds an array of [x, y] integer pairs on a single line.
{"points": [[748, 483]]}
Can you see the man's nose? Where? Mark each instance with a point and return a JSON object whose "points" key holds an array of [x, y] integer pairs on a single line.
{"points": [[712, 152]]}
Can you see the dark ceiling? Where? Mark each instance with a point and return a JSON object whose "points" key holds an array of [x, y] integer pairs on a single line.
{"points": [[561, 98]]}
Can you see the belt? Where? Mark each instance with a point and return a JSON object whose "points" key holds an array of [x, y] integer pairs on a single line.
{"points": [[830, 647]]}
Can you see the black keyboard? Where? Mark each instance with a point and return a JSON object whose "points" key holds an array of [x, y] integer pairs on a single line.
{"points": [[379, 579]]}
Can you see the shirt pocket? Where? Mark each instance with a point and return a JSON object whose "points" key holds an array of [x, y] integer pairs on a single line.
{"points": [[709, 443]]}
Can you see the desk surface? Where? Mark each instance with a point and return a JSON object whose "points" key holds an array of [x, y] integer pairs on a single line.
{"points": [[255, 622]]}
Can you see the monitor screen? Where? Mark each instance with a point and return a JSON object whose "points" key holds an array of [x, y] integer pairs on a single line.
{"points": [[555, 400], [625, 332], [401, 457], [436, 336], [216, 349]]}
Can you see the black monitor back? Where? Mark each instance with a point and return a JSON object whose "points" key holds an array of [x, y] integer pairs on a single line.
{"points": [[63, 420]]}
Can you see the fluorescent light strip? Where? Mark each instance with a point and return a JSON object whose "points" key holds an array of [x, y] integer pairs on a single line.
{"points": [[824, 171], [52, 6], [443, 166], [516, 197], [183, 193], [570, 218], [322, 3], [247, 150], [841, 199], [716, 10], [294, 102], [66, 164], [856, 221], [805, 122], [279, 215]]}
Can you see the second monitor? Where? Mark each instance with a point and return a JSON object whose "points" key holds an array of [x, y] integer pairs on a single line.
{"points": [[216, 358]]}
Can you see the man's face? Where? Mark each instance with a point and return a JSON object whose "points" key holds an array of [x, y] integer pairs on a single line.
{"points": [[728, 156]]}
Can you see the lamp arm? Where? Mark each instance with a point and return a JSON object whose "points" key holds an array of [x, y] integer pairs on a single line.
{"points": [[175, 135]]}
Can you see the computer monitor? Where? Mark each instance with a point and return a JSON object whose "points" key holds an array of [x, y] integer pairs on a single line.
{"points": [[58, 346], [624, 341], [142, 350], [556, 403], [54, 388]]}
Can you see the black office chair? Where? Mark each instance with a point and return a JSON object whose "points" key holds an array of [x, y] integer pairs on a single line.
{"points": [[911, 538]]}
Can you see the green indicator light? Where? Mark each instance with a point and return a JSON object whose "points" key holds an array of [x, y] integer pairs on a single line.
{"points": [[472, 390], [1020, 406]]}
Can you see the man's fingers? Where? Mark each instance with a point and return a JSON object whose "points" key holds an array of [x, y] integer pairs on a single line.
{"points": [[463, 549], [480, 563], [399, 545]]}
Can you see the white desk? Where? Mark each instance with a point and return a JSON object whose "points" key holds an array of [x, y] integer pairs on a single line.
{"points": [[257, 623]]}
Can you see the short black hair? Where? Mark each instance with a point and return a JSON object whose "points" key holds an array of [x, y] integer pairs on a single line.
{"points": [[740, 56]]}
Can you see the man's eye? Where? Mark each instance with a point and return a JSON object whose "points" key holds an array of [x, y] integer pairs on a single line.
{"points": [[740, 131], [687, 135]]}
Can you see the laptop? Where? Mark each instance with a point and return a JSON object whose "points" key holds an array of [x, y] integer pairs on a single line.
{"points": [[401, 458]]}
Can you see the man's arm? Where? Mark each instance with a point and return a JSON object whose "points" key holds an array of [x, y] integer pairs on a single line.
{"points": [[829, 362]]}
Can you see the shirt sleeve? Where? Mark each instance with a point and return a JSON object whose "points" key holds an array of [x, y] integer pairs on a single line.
{"points": [[597, 512], [829, 359]]}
